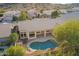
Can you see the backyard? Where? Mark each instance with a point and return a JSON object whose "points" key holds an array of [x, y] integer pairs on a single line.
{"points": [[39, 31]]}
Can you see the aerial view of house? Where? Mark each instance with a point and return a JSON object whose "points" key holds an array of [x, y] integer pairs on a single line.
{"points": [[39, 29]]}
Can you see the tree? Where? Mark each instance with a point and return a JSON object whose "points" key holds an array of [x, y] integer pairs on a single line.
{"points": [[41, 11], [67, 35], [2, 10], [23, 16], [15, 18], [64, 49], [1, 14], [55, 14], [68, 31], [13, 38], [16, 51]]}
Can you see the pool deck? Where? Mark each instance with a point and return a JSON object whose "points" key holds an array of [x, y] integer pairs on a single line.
{"points": [[41, 39]]}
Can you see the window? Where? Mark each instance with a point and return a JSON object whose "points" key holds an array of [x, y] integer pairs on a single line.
{"points": [[38, 33], [23, 35], [32, 34], [48, 32]]}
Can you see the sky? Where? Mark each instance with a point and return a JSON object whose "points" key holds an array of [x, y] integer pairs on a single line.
{"points": [[39, 1]]}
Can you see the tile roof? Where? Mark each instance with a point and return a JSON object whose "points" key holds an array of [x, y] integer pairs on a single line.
{"points": [[37, 24]]}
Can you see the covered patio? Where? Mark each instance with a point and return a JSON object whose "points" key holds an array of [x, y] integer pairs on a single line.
{"points": [[36, 28], [36, 34]]}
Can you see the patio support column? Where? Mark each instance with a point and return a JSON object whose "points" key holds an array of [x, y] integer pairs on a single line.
{"points": [[35, 35], [45, 33], [28, 35]]}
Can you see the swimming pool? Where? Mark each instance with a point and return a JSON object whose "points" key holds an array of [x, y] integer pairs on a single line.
{"points": [[43, 45]]}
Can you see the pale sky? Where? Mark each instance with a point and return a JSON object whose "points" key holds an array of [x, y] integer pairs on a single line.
{"points": [[39, 1]]}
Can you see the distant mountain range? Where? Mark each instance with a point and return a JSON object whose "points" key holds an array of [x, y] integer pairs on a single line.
{"points": [[37, 5]]}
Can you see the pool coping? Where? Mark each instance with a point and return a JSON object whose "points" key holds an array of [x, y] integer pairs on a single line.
{"points": [[37, 40]]}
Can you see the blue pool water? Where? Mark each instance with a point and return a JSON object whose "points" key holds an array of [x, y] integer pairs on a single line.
{"points": [[43, 45]]}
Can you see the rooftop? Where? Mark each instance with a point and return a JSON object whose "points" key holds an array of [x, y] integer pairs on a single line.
{"points": [[38, 24]]}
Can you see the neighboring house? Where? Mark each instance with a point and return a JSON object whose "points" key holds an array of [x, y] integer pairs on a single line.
{"points": [[7, 19], [8, 16], [48, 12], [75, 9], [5, 30], [63, 11], [12, 13], [32, 13]]}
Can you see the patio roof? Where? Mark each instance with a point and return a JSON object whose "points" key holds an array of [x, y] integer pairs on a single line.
{"points": [[37, 24]]}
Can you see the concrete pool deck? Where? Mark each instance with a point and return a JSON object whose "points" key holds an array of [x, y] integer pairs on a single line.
{"points": [[41, 39]]}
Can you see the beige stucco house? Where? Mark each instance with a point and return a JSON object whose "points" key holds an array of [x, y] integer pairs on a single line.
{"points": [[32, 29]]}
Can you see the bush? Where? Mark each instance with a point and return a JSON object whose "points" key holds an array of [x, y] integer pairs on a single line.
{"points": [[15, 18], [67, 35], [55, 14], [2, 10], [13, 38], [23, 16], [16, 51], [68, 31], [1, 15]]}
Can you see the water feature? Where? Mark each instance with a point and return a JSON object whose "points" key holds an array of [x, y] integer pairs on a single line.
{"points": [[43, 45]]}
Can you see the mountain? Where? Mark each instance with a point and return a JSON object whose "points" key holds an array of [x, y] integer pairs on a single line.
{"points": [[36, 5]]}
